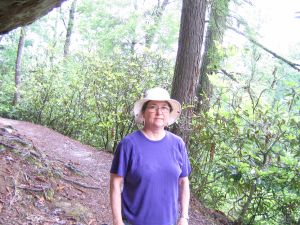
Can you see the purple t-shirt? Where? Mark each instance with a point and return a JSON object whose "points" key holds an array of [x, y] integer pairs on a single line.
{"points": [[151, 170]]}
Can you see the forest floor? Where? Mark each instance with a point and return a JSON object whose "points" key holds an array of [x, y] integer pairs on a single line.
{"points": [[47, 178]]}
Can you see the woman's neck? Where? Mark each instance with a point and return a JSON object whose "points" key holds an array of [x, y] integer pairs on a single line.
{"points": [[154, 135]]}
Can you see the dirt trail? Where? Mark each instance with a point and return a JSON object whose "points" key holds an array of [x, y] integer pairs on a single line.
{"points": [[92, 163]]}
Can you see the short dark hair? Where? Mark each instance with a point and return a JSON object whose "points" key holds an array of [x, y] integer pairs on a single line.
{"points": [[146, 104]]}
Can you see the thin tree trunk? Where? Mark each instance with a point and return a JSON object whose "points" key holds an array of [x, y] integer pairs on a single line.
{"points": [[187, 68], [134, 41], [157, 15], [210, 58], [204, 88], [54, 38], [18, 66], [70, 29], [245, 207]]}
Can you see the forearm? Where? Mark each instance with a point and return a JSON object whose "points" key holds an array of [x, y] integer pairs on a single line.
{"points": [[115, 200], [184, 197]]}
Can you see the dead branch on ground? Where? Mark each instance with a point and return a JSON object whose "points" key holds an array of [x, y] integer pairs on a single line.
{"points": [[15, 191], [79, 184]]}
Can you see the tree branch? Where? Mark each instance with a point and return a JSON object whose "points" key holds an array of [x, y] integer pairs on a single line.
{"points": [[291, 64], [15, 191], [79, 184], [228, 74]]}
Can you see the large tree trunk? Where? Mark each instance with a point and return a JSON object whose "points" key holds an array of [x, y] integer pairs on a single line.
{"points": [[187, 68], [69, 29], [18, 66], [210, 58]]}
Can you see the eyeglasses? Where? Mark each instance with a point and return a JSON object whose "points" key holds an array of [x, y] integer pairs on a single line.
{"points": [[154, 108]]}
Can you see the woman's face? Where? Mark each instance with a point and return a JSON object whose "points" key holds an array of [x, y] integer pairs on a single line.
{"points": [[156, 114]]}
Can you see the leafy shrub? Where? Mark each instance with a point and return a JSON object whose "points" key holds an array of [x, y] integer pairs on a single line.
{"points": [[7, 73], [6, 97], [246, 160], [91, 99]]}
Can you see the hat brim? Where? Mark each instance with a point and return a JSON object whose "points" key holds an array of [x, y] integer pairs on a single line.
{"points": [[174, 115]]}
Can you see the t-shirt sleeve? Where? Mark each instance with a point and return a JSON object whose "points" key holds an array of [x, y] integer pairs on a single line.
{"points": [[121, 159], [186, 166]]}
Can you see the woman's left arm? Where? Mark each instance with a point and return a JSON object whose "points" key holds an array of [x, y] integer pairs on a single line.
{"points": [[184, 200]]}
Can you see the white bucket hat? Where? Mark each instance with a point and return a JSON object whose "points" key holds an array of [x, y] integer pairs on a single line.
{"points": [[157, 94]]}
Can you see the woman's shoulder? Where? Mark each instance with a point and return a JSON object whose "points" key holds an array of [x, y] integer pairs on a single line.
{"points": [[129, 138], [174, 137]]}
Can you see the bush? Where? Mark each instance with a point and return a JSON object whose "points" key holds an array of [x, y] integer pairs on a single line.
{"points": [[91, 99], [246, 161]]}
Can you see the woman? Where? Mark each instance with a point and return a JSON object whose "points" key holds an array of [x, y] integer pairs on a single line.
{"points": [[149, 173]]}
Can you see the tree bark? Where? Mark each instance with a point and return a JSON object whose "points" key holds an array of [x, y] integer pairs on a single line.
{"points": [[18, 66], [69, 29], [187, 68]]}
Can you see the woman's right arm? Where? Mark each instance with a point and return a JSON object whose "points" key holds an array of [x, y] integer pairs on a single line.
{"points": [[116, 183]]}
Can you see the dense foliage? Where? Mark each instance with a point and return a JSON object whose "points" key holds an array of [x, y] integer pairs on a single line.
{"points": [[88, 95], [244, 150], [95, 105]]}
